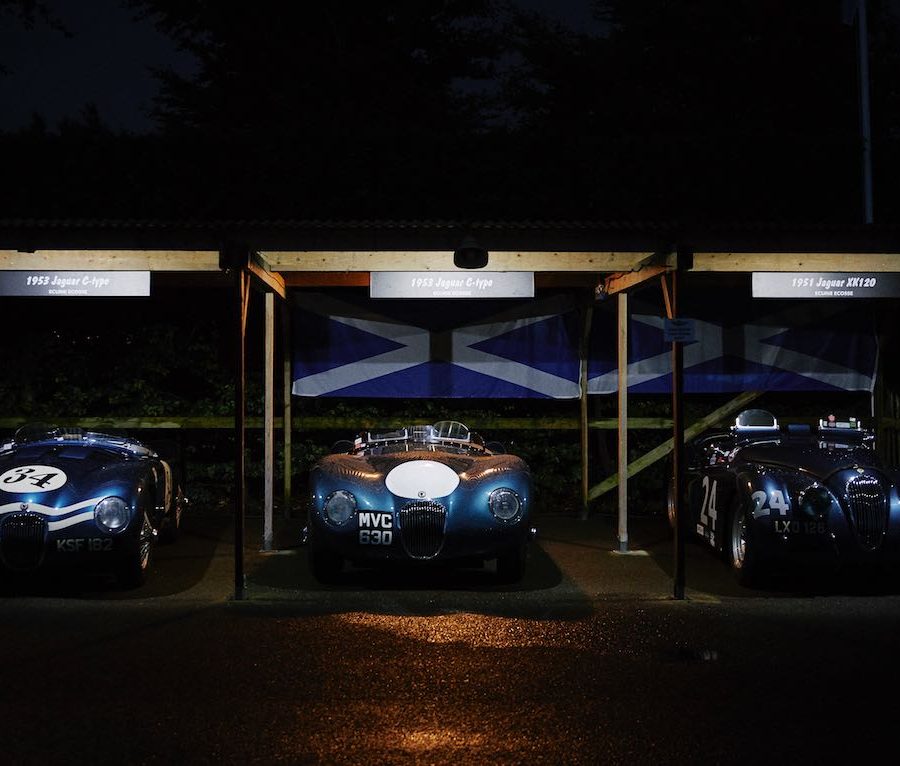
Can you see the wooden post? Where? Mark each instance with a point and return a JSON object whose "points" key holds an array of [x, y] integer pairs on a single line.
{"points": [[268, 422], [585, 463], [242, 300], [623, 419], [287, 419]]}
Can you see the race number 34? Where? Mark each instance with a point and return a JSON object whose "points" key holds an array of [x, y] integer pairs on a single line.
{"points": [[32, 478]]}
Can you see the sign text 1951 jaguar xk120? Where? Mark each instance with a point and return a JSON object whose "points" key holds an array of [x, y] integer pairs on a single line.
{"points": [[769, 496], [74, 498], [424, 493]]}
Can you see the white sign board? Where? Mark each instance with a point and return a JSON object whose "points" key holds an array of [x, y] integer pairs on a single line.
{"points": [[78, 284], [825, 284], [451, 284]]}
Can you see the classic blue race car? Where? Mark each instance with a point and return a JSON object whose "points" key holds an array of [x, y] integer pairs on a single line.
{"points": [[424, 493], [70, 497], [768, 496]]}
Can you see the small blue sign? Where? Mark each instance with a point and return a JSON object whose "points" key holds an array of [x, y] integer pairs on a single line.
{"points": [[679, 331]]}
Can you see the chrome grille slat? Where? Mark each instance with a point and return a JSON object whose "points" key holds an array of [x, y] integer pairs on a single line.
{"points": [[22, 538], [868, 510], [422, 529]]}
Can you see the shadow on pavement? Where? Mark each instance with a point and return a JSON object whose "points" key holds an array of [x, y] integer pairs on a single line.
{"points": [[176, 567]]}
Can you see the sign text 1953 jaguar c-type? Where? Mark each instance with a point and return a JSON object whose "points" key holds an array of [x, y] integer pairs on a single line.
{"points": [[769, 496], [74, 498], [426, 493]]}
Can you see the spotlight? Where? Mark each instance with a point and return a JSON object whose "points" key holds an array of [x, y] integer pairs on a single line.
{"points": [[470, 255]]}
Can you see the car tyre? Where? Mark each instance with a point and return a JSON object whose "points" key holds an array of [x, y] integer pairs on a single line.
{"points": [[325, 566], [171, 524], [133, 570], [670, 505], [511, 565], [742, 551]]}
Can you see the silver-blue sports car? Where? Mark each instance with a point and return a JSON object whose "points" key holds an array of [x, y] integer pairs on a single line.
{"points": [[423, 493], [74, 498], [770, 496]]}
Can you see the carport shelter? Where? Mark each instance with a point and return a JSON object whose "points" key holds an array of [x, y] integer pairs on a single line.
{"points": [[539, 309]]}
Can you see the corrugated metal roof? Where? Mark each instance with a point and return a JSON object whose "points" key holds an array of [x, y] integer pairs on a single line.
{"points": [[437, 234]]}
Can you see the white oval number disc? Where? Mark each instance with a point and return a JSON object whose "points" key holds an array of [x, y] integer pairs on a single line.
{"points": [[422, 480], [32, 478]]}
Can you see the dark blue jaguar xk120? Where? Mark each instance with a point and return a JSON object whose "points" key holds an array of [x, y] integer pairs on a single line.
{"points": [[74, 498], [424, 493], [770, 497]]}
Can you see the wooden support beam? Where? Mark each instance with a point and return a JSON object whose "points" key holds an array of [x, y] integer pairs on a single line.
{"points": [[749, 262], [352, 423], [268, 280], [658, 453], [542, 280], [622, 462], [437, 260], [622, 281], [110, 260], [269, 426], [326, 278]]}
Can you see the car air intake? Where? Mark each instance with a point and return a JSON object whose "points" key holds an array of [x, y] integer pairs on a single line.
{"points": [[868, 510], [422, 529], [22, 540]]}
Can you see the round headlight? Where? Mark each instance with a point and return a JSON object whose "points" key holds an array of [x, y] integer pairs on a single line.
{"points": [[504, 504], [112, 514], [339, 507], [815, 501]]}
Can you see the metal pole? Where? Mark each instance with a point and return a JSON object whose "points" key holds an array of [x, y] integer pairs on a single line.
{"points": [[241, 282], [623, 419], [864, 119], [678, 448]]}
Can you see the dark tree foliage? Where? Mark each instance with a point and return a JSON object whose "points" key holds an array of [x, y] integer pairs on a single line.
{"points": [[331, 109], [675, 110]]}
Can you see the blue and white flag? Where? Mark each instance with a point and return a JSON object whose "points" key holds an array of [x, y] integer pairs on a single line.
{"points": [[743, 345], [349, 345], [355, 346]]}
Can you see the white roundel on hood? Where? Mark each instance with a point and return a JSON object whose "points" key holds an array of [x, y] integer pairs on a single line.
{"points": [[32, 478], [421, 480]]}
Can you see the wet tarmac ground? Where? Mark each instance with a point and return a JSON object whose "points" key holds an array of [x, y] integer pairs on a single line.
{"points": [[588, 660]]}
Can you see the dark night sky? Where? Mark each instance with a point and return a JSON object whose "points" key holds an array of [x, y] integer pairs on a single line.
{"points": [[107, 62]]}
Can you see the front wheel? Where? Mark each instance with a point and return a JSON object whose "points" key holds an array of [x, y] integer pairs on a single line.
{"points": [[742, 550], [326, 566], [171, 524], [132, 572], [511, 565]]}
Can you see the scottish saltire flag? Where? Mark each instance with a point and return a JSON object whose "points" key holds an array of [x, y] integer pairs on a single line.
{"points": [[742, 345], [354, 346]]}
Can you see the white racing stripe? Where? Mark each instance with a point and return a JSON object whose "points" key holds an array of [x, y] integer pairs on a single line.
{"points": [[53, 526], [54, 513]]}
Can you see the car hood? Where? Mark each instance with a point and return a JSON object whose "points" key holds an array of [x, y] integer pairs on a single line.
{"points": [[374, 468], [80, 476], [817, 461]]}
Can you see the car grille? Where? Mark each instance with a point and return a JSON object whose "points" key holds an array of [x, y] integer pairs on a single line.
{"points": [[22, 540], [422, 529], [868, 510]]}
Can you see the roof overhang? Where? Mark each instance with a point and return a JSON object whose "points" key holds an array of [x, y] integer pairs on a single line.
{"points": [[614, 257]]}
